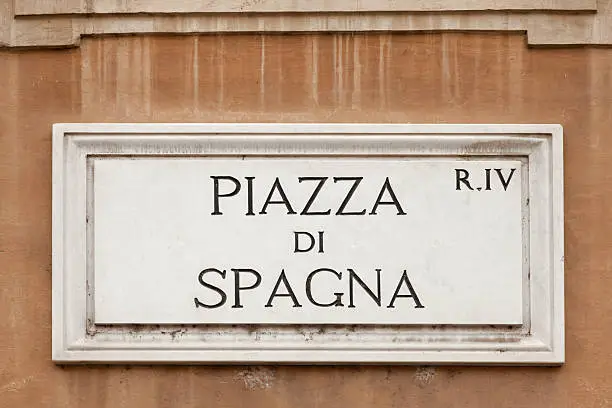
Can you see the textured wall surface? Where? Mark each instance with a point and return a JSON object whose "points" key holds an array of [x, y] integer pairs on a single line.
{"points": [[430, 78]]}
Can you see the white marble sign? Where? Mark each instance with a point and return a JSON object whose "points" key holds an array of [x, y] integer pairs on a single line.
{"points": [[308, 243], [300, 241]]}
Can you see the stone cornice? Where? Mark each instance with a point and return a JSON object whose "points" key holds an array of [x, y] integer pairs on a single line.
{"points": [[61, 23]]}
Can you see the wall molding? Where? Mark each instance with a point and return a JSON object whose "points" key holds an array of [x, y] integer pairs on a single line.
{"points": [[62, 23], [45, 7]]}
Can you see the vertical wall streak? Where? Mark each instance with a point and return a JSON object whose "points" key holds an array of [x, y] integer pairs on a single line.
{"points": [[314, 63], [196, 73], [262, 72], [382, 70], [220, 62], [356, 102]]}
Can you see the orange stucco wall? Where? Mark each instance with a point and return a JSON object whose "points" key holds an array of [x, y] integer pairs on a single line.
{"points": [[429, 78]]}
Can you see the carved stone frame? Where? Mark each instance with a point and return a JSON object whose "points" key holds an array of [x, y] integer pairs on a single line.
{"points": [[540, 340]]}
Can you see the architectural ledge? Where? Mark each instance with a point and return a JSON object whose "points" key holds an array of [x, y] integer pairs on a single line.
{"points": [[42, 23]]}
